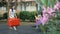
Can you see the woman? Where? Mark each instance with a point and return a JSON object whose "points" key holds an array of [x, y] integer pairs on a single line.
{"points": [[11, 15]]}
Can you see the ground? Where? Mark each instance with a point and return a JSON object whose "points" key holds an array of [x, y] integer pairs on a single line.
{"points": [[24, 28]]}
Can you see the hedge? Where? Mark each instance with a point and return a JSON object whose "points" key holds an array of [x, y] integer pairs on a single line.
{"points": [[1, 17], [28, 15], [5, 15]]}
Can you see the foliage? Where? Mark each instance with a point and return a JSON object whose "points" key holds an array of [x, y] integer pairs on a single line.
{"points": [[1, 17], [3, 3], [5, 15], [23, 15], [58, 0], [32, 16], [27, 15], [53, 25]]}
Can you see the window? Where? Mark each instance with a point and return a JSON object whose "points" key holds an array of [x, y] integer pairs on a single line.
{"points": [[33, 4], [27, 4]]}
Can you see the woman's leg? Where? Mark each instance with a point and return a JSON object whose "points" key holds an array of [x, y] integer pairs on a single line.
{"points": [[10, 30], [15, 28]]}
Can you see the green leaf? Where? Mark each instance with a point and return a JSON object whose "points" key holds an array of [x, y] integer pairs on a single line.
{"points": [[52, 2]]}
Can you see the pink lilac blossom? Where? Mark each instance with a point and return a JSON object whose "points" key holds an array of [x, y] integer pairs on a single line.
{"points": [[44, 10], [45, 19], [45, 16], [47, 13], [50, 11], [57, 6]]}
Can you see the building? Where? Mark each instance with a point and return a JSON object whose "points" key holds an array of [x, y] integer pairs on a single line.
{"points": [[27, 5], [22, 5]]}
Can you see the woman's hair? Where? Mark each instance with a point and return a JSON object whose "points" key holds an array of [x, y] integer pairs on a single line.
{"points": [[12, 9]]}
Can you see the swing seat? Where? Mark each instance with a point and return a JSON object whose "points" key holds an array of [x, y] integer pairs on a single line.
{"points": [[13, 22]]}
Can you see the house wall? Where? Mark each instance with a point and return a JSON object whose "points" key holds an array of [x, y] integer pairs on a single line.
{"points": [[31, 8], [2, 10], [27, 6]]}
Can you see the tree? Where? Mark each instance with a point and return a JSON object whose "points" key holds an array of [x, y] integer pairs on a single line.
{"points": [[3, 3]]}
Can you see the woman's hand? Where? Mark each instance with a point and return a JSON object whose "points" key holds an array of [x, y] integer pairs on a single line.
{"points": [[15, 16]]}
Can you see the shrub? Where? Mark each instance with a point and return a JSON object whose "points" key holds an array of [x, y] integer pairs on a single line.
{"points": [[23, 15], [27, 15], [5, 15], [1, 17], [32, 16]]}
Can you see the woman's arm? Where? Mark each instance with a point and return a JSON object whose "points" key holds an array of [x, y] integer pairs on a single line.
{"points": [[15, 14], [8, 14]]}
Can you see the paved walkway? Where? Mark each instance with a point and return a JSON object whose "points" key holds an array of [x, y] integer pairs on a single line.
{"points": [[23, 29]]}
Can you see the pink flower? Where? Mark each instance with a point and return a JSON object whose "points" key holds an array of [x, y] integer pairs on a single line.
{"points": [[45, 19], [57, 6], [47, 12], [44, 10], [50, 11]]}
